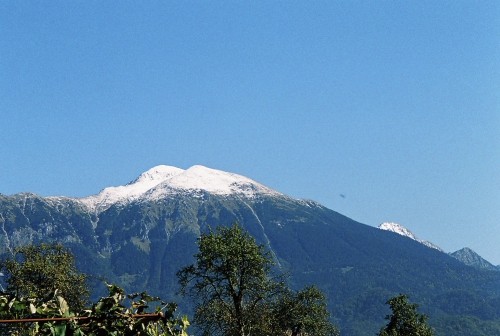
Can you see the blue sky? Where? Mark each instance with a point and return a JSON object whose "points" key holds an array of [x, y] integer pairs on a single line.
{"points": [[393, 104]]}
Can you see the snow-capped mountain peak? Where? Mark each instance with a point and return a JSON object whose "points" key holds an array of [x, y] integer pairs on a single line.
{"points": [[132, 190], [161, 181], [157, 175], [403, 231], [397, 228], [200, 178]]}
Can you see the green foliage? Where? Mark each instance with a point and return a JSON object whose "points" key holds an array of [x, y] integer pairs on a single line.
{"points": [[13, 307], [303, 312], [405, 320], [465, 326], [39, 279], [37, 271], [229, 282], [109, 316], [236, 296]]}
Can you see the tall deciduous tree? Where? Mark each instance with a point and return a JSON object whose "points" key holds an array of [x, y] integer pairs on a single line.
{"points": [[37, 271], [405, 320], [234, 291]]}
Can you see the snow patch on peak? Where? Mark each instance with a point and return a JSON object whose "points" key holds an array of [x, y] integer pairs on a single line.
{"points": [[397, 228], [201, 178], [157, 175], [401, 230], [132, 190], [161, 181]]}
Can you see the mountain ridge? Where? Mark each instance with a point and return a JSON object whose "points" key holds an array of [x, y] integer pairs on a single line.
{"points": [[405, 232]]}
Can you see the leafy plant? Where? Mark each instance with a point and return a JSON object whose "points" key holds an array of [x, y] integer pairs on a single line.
{"points": [[116, 314]]}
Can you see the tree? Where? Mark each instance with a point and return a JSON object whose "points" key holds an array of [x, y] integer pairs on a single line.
{"points": [[37, 271], [303, 313], [405, 320], [229, 282], [235, 293]]}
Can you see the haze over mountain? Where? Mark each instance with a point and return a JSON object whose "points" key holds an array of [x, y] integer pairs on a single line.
{"points": [[141, 233]]}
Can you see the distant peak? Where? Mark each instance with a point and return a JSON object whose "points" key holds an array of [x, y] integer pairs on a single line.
{"points": [[472, 258], [466, 250], [403, 231]]}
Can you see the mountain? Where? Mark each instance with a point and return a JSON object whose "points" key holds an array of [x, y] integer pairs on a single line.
{"points": [[465, 255], [471, 258], [163, 181], [140, 234], [403, 231]]}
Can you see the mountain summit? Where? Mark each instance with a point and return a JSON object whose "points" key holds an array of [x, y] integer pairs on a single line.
{"points": [[471, 258], [161, 181]]}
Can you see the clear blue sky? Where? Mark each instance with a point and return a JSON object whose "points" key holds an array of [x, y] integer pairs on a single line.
{"points": [[394, 104]]}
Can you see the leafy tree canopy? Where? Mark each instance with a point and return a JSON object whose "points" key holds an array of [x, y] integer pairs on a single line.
{"points": [[405, 320], [37, 271], [303, 313]]}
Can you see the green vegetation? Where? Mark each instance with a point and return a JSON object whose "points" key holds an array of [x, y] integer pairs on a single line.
{"points": [[465, 326], [108, 316], [302, 312], [37, 271], [43, 283], [405, 320], [236, 295]]}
